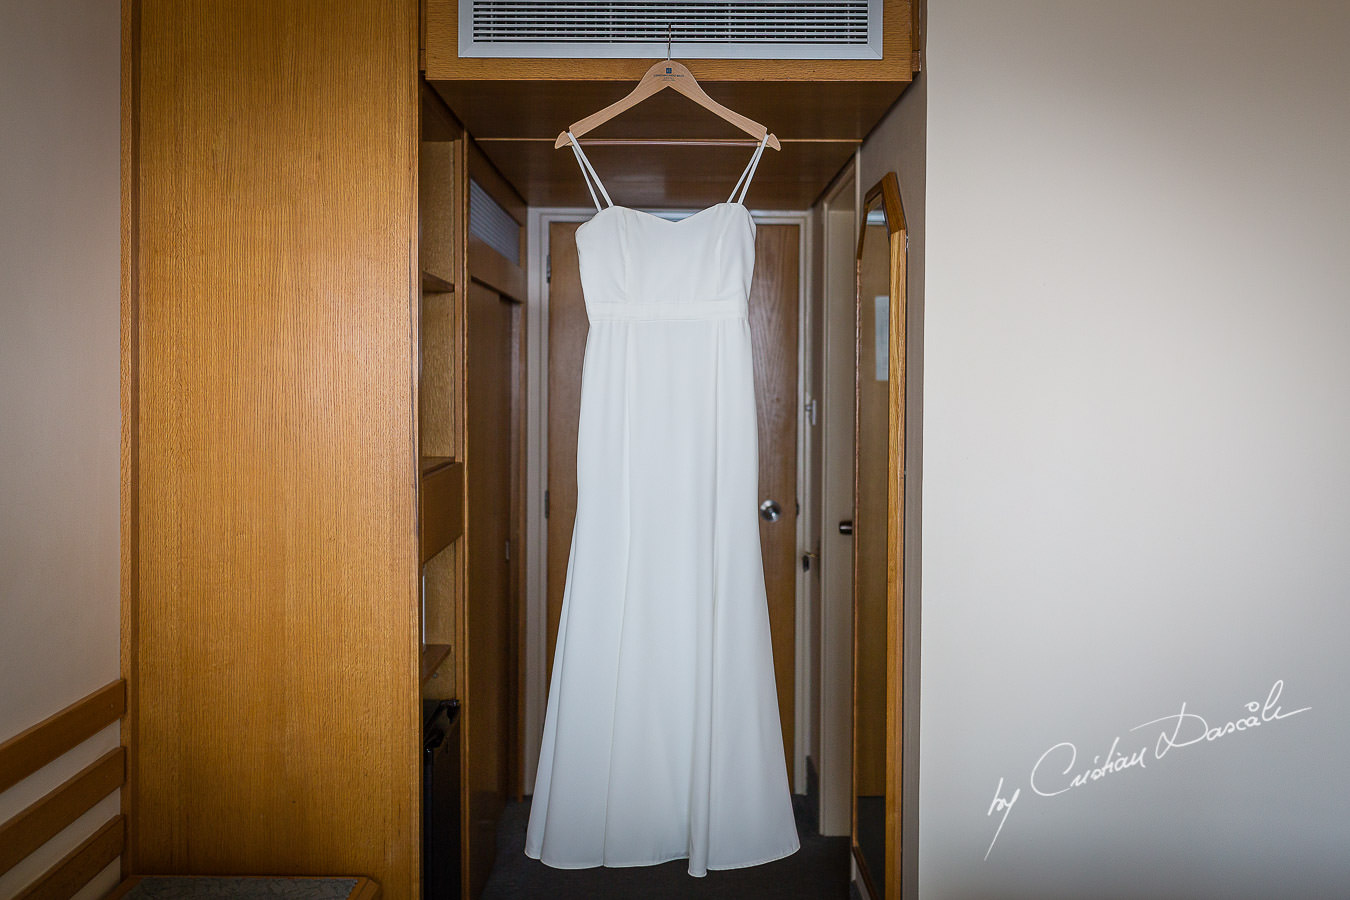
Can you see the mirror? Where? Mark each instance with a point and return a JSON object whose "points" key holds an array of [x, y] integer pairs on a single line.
{"points": [[878, 531]]}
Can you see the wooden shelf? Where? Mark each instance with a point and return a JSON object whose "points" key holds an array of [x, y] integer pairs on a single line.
{"points": [[435, 284], [429, 464], [441, 503], [439, 379], [432, 657], [436, 207]]}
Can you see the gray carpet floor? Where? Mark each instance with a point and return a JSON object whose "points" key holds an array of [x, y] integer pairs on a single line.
{"points": [[818, 871]]}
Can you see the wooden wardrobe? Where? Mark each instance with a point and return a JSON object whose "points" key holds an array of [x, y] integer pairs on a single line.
{"points": [[299, 564], [322, 405]]}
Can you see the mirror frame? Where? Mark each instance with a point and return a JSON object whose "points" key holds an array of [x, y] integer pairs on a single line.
{"points": [[885, 194]]}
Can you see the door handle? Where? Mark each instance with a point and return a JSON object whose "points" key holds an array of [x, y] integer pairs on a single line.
{"points": [[846, 526], [770, 511]]}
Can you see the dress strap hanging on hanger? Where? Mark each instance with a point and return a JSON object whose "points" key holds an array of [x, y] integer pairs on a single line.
{"points": [[588, 173], [748, 173]]}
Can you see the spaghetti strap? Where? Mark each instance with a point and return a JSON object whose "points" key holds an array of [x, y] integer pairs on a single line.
{"points": [[588, 173], [749, 172]]}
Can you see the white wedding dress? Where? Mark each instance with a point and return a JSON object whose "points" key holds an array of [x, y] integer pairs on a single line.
{"points": [[661, 737]]}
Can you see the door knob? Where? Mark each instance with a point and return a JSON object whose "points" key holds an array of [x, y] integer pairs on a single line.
{"points": [[846, 526], [770, 511]]}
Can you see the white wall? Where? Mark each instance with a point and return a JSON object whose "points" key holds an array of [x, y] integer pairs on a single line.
{"points": [[1136, 434], [59, 419]]}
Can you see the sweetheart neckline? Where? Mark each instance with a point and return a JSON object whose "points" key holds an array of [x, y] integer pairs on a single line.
{"points": [[649, 215]]}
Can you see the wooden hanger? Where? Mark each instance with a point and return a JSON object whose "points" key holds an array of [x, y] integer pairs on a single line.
{"points": [[666, 74]]}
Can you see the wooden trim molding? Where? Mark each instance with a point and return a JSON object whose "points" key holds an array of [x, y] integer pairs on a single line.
{"points": [[79, 866], [885, 195], [30, 750], [42, 820]]}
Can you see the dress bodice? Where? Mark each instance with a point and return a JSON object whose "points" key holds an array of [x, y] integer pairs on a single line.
{"points": [[635, 265]]}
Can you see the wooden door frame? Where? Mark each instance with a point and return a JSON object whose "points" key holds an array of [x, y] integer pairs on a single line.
{"points": [[536, 481], [838, 336], [885, 196]]}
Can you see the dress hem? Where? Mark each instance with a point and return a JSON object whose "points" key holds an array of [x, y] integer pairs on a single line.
{"points": [[777, 855]]}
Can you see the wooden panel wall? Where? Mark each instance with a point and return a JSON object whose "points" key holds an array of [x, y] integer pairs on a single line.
{"points": [[269, 453]]}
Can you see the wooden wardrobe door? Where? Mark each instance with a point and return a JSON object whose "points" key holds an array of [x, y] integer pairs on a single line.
{"points": [[269, 532]]}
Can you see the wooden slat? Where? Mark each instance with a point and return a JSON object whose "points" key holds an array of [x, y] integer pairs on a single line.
{"points": [[76, 869], [41, 821], [30, 750], [441, 506]]}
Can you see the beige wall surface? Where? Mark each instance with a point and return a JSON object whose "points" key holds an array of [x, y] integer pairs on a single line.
{"points": [[1136, 427], [59, 277]]}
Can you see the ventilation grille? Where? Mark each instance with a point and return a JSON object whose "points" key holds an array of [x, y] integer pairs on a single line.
{"points": [[769, 29], [487, 220]]}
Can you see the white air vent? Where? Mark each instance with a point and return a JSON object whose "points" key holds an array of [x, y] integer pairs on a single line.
{"points": [[702, 29], [493, 224]]}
